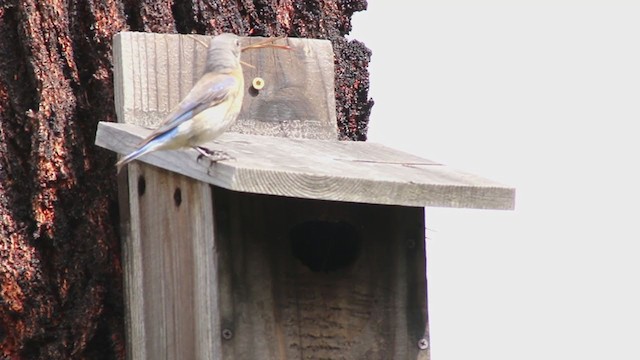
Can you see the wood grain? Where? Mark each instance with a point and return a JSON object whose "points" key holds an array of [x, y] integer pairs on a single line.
{"points": [[153, 72], [323, 170], [168, 257], [277, 307]]}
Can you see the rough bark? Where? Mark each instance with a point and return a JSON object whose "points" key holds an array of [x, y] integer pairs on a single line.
{"points": [[60, 268]]}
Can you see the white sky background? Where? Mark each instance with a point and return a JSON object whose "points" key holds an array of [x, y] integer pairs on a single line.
{"points": [[545, 98]]}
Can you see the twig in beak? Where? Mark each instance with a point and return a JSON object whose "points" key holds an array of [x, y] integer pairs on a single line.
{"points": [[198, 40], [247, 64], [267, 43]]}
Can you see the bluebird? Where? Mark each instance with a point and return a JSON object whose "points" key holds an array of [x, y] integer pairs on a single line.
{"points": [[209, 108]]}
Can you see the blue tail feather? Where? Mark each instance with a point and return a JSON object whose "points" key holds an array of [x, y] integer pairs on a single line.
{"points": [[150, 146]]}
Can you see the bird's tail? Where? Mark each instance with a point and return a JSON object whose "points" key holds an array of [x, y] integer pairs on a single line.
{"points": [[147, 148]]}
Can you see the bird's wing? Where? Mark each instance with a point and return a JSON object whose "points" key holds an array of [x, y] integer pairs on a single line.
{"points": [[209, 91]]}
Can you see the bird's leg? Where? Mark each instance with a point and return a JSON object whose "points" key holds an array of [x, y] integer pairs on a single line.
{"points": [[212, 155]]}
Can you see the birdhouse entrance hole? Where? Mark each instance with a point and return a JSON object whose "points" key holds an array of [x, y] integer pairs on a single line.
{"points": [[324, 245]]}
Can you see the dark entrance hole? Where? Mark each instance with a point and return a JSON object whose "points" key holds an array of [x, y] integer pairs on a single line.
{"points": [[324, 245]]}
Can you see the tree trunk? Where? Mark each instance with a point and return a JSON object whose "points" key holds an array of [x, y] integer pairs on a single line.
{"points": [[60, 267]]}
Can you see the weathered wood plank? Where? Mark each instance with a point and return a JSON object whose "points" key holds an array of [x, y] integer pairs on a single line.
{"points": [[365, 297], [168, 257], [153, 72], [132, 268], [325, 170]]}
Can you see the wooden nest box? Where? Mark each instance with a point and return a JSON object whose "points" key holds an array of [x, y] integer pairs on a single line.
{"points": [[302, 247]]}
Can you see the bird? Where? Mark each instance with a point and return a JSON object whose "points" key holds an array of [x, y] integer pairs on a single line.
{"points": [[208, 110]]}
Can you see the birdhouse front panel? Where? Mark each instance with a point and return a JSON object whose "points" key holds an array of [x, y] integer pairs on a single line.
{"points": [[308, 279]]}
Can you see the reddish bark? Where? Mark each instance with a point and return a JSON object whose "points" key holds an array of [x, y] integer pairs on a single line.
{"points": [[60, 270]]}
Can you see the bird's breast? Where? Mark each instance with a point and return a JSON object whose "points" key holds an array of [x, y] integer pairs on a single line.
{"points": [[209, 123]]}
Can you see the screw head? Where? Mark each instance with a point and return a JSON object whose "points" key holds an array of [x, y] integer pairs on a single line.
{"points": [[257, 83], [423, 344], [227, 334]]}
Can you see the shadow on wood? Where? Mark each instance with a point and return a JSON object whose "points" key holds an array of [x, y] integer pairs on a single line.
{"points": [[307, 279]]}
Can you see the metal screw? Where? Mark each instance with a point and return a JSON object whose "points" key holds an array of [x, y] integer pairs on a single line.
{"points": [[423, 344], [257, 83], [227, 334], [411, 243]]}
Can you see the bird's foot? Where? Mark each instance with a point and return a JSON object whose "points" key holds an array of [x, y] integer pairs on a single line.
{"points": [[213, 155]]}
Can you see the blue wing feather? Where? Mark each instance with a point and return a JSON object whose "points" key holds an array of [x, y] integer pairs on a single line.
{"points": [[209, 91]]}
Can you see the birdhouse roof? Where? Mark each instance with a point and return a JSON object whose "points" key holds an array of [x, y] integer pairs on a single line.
{"points": [[320, 169]]}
